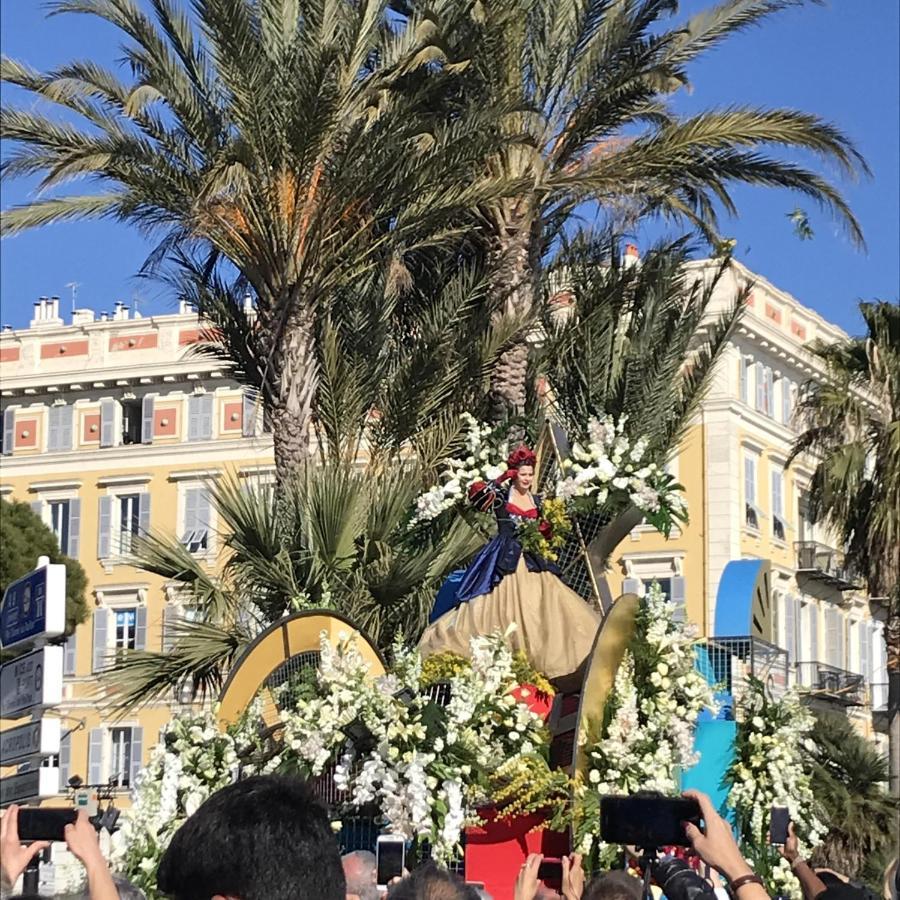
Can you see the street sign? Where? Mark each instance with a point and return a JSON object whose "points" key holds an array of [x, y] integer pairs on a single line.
{"points": [[32, 785], [34, 606], [39, 738], [31, 682]]}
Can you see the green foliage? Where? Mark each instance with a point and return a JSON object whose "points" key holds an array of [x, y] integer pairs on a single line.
{"points": [[23, 538], [849, 779]]}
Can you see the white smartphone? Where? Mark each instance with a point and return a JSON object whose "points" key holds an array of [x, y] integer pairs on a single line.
{"points": [[390, 859]]}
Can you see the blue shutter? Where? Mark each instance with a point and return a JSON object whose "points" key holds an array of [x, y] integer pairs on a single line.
{"points": [[147, 419], [74, 528], [101, 640], [9, 431], [107, 423], [104, 524], [678, 598], [95, 756], [140, 629], [65, 762], [248, 414], [66, 417], [70, 654], [137, 752], [143, 513]]}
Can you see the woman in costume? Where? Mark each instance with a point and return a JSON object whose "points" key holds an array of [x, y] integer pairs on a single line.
{"points": [[506, 584]]}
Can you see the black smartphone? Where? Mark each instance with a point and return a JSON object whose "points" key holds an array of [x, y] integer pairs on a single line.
{"points": [[44, 824], [647, 821], [550, 872], [390, 853], [779, 820]]}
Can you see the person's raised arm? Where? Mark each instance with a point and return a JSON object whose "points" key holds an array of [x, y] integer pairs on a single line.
{"points": [[810, 883], [14, 857], [84, 844], [716, 846]]}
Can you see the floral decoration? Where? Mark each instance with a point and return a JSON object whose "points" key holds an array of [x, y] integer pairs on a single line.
{"points": [[772, 767], [546, 534]]}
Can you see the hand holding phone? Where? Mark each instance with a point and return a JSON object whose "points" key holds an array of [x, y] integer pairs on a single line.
{"points": [[390, 858], [13, 856], [779, 820]]}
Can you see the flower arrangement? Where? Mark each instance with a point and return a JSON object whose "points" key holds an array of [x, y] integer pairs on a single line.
{"points": [[545, 535], [442, 667], [772, 767], [649, 718], [612, 469]]}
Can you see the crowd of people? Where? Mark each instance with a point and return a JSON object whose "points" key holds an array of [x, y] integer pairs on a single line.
{"points": [[267, 838]]}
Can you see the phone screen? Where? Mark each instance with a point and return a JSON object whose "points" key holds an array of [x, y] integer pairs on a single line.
{"points": [[550, 873], [36, 824], [778, 825], [646, 821], [390, 860]]}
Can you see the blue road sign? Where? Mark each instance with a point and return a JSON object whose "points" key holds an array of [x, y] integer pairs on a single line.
{"points": [[34, 607]]}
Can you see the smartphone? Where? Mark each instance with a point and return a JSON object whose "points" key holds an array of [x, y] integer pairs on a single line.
{"points": [[779, 820], [390, 858], [44, 824], [647, 821], [550, 872]]}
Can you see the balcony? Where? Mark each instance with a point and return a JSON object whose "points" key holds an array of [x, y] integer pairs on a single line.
{"points": [[831, 683], [818, 562], [728, 661]]}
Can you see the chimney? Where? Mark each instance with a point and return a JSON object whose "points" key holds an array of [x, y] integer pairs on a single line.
{"points": [[184, 308], [82, 316], [632, 256], [104, 316], [54, 308]]}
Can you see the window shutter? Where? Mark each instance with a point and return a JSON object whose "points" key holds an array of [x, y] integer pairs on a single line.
{"points": [[53, 428], [787, 401], [74, 528], [777, 502], [248, 415], [147, 419], [193, 418], [65, 762], [137, 752], [37, 507], [69, 654], [790, 627], [140, 629], [9, 431], [207, 406], [745, 378], [769, 401], [760, 386], [203, 512], [864, 638], [749, 481], [840, 627], [101, 639], [107, 423], [66, 416], [813, 631], [95, 756], [831, 637], [104, 523], [200, 408], [679, 598], [191, 497], [143, 513], [631, 586]]}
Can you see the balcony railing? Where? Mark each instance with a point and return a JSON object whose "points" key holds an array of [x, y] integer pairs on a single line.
{"points": [[832, 683], [823, 563], [728, 661]]}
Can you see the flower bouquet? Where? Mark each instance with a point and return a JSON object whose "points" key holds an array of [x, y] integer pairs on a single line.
{"points": [[546, 534]]}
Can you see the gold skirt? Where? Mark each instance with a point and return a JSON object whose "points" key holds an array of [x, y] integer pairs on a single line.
{"points": [[556, 628]]}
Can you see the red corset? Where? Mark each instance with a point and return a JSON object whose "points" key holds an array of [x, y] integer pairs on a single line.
{"points": [[525, 513]]}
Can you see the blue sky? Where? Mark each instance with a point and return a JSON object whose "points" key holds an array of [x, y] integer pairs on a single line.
{"points": [[840, 60]]}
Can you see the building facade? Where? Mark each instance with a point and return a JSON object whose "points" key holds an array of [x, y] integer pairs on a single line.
{"points": [[745, 503], [112, 426]]}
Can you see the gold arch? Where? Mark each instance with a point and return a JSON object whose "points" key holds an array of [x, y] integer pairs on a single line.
{"points": [[287, 638]]}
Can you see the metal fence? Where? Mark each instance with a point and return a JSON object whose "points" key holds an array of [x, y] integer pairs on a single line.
{"points": [[832, 683], [727, 662]]}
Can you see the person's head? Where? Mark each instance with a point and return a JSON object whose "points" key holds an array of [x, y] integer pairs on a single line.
{"points": [[522, 461], [430, 882], [265, 838], [359, 870], [616, 885]]}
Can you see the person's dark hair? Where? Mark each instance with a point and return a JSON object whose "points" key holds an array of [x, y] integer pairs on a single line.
{"points": [[265, 838], [430, 882], [616, 885]]}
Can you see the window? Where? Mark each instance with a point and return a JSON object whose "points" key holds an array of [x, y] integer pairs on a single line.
{"points": [[751, 512], [132, 417], [665, 585], [778, 523], [195, 535], [787, 400], [125, 637], [764, 389], [120, 757], [129, 520], [59, 428], [59, 522]]}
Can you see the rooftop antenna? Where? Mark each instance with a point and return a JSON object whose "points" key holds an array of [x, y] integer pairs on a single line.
{"points": [[73, 286]]}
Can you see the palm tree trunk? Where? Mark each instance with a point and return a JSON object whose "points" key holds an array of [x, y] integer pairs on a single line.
{"points": [[292, 407], [513, 272], [892, 640]]}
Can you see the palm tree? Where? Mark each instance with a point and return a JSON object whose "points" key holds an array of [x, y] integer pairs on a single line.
{"points": [[848, 780], [588, 85], [852, 430], [266, 133]]}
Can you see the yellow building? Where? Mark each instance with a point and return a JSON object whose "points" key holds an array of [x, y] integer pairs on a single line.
{"points": [[110, 426], [744, 504]]}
